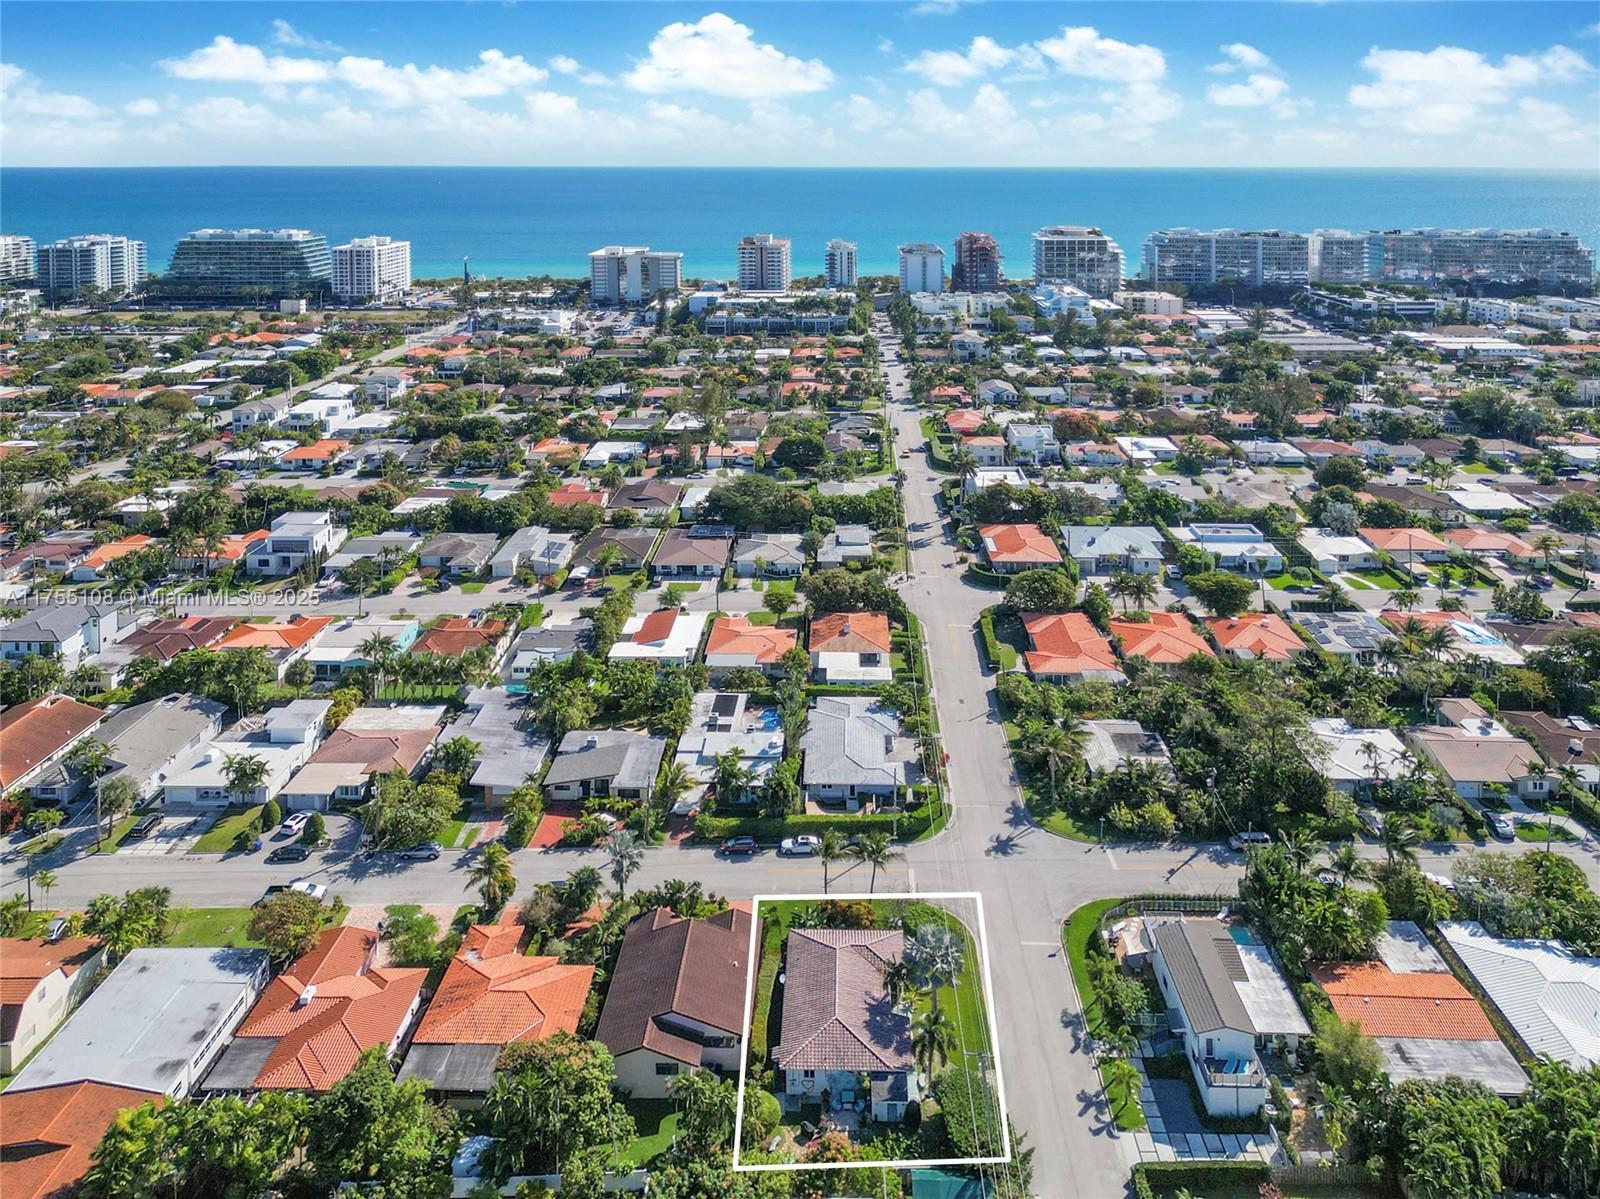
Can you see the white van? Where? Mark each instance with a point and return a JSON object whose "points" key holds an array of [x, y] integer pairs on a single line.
{"points": [[1250, 840]]}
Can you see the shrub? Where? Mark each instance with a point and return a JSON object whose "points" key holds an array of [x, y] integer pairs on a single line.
{"points": [[707, 827], [1163, 1178], [271, 815], [991, 643], [316, 829]]}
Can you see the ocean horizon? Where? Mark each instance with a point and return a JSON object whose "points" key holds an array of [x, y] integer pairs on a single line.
{"points": [[518, 221]]}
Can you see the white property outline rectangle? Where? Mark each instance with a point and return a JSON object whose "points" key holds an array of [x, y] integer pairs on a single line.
{"points": [[749, 1016]]}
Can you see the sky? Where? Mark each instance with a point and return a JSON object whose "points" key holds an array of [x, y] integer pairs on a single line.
{"points": [[918, 83]]}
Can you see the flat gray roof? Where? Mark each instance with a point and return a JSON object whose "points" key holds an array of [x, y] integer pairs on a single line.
{"points": [[1488, 1062], [461, 1068]]}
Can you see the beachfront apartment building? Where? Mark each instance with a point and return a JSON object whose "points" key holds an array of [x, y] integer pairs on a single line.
{"points": [[98, 260], [249, 265], [1339, 256], [921, 267], [18, 257], [839, 261], [1080, 255], [632, 274], [1195, 257], [371, 269], [763, 263], [1483, 255], [976, 266]]}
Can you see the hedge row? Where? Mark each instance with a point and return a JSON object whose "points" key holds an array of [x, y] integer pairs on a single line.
{"points": [[991, 643], [985, 577], [766, 828], [1154, 1180]]}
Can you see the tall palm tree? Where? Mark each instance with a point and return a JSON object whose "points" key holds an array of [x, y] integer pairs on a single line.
{"points": [[491, 874], [933, 1040], [832, 849], [1348, 864], [626, 851], [380, 650], [1549, 545], [732, 779], [937, 958], [1300, 847], [1405, 598], [896, 978], [244, 773], [877, 851], [672, 784], [1400, 840], [965, 464]]}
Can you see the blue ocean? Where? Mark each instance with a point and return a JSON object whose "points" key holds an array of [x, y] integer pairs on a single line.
{"points": [[515, 221]]}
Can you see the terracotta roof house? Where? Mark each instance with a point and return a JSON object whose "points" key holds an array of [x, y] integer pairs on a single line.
{"points": [[164, 640], [48, 1135], [1165, 639], [1492, 542], [96, 561], [1067, 647], [284, 640], [314, 456], [839, 1021], [1407, 545], [316, 1018], [1256, 635], [569, 495], [676, 1001], [343, 767], [491, 996], [40, 982], [458, 636], [734, 641], [851, 647], [1011, 548], [37, 734], [665, 636]]}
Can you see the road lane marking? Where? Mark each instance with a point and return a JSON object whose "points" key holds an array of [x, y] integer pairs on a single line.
{"points": [[1111, 859], [1042, 944]]}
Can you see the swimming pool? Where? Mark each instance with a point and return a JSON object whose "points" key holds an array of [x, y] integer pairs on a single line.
{"points": [[768, 720], [1240, 934]]}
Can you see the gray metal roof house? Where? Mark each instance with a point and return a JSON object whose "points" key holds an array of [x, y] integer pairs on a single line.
{"points": [[593, 762]]}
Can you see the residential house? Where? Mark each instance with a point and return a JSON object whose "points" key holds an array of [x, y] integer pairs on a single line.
{"points": [[1066, 648], [986, 449], [1267, 452], [285, 641], [1354, 760], [155, 1024], [1379, 452], [1230, 998], [846, 544], [1486, 503], [56, 554], [768, 555], [1492, 543], [1332, 552], [855, 753], [96, 563], [538, 549], [37, 735], [384, 386], [1353, 636], [1471, 643], [840, 1022], [676, 999], [145, 744], [547, 643], [683, 554], [1478, 753], [339, 651], [1033, 444], [288, 736], [1012, 548], [647, 497], [384, 548], [604, 762], [1103, 549], [41, 980], [1563, 740], [319, 455], [295, 539], [492, 995], [324, 410], [986, 477], [996, 391], [722, 722], [1166, 638], [510, 748], [1115, 743], [667, 637], [314, 1021], [459, 636], [571, 495], [48, 1135], [632, 552], [1255, 635], [1407, 546], [457, 555], [851, 647], [268, 410], [735, 642], [68, 633], [1147, 451], [1235, 547], [372, 743]]}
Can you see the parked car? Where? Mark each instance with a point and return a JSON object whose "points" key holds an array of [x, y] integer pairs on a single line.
{"points": [[303, 885], [289, 853], [57, 930], [799, 847], [1501, 825], [1242, 841], [144, 827], [1542, 582], [1372, 820], [1174, 572], [1442, 880], [294, 825], [428, 851], [740, 845], [1329, 879]]}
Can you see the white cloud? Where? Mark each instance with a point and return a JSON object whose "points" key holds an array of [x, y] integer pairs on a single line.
{"points": [[1446, 89], [984, 56], [228, 61], [719, 56], [21, 94], [286, 34], [563, 64], [143, 107], [1238, 56], [496, 74], [936, 8], [1080, 50]]}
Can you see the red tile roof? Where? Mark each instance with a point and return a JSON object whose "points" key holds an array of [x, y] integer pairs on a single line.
{"points": [[1019, 543], [316, 451], [1429, 1005], [49, 1134], [736, 635], [24, 961], [164, 640], [104, 555], [1256, 635], [1067, 643], [457, 636], [850, 633], [1166, 640], [377, 751], [494, 995], [289, 634], [31, 732], [327, 1009]]}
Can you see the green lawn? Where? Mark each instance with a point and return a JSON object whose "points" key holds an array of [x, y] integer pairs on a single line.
{"points": [[219, 838], [118, 832], [224, 927], [1383, 578], [763, 618], [775, 918], [1281, 582], [963, 1002], [1536, 832], [1479, 468], [456, 834], [656, 1120], [43, 843], [1075, 937], [472, 588]]}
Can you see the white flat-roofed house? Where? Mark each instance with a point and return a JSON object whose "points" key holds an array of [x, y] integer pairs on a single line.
{"points": [[1145, 451], [339, 648], [294, 539], [540, 550], [1234, 546], [1353, 759], [989, 476], [1266, 452], [324, 410], [1332, 552], [1035, 444]]}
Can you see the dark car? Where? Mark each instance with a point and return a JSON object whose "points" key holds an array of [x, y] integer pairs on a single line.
{"points": [[740, 845], [289, 853]]}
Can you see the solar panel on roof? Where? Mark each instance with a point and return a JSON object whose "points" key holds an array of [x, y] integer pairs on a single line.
{"points": [[725, 705]]}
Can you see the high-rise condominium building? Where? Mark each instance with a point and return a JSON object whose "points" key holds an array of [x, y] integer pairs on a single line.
{"points": [[839, 263], [1195, 257], [1489, 255], [98, 260], [763, 263], [250, 264], [17, 257], [921, 267], [1080, 255], [632, 274], [1339, 256], [977, 263], [372, 269]]}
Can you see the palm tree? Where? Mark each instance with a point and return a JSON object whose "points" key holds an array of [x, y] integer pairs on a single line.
{"points": [[491, 874], [877, 851], [1300, 848], [1549, 545], [1348, 864], [937, 958], [627, 855], [380, 650], [1120, 1075], [896, 978], [244, 773], [1400, 840], [932, 1040], [1057, 747], [732, 779], [965, 463], [672, 784], [47, 881], [1405, 598], [831, 850]]}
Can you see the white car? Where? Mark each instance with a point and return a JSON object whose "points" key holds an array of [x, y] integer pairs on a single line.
{"points": [[306, 887], [1501, 826], [1447, 883], [799, 847], [294, 825]]}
